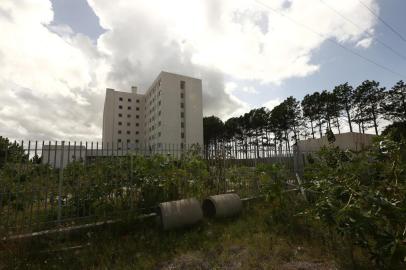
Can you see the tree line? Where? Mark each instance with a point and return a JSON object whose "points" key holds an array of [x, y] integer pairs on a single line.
{"points": [[362, 108]]}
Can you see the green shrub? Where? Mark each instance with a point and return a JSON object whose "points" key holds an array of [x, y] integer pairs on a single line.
{"points": [[363, 196]]}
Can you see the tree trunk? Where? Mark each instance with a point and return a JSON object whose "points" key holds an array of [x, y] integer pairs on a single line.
{"points": [[276, 145], [375, 122], [257, 142], [338, 126], [311, 124], [287, 141], [349, 119], [321, 133]]}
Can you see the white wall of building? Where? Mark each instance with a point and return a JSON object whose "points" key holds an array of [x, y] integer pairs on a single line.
{"points": [[350, 140], [168, 114]]}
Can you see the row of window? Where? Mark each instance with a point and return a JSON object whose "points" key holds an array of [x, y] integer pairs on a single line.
{"points": [[128, 124], [128, 132], [129, 107], [128, 141], [129, 100], [128, 115]]}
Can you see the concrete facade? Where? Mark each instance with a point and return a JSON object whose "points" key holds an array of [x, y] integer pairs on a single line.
{"points": [[350, 140], [169, 113]]}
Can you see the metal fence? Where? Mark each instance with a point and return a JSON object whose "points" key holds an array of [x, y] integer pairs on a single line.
{"points": [[46, 185]]}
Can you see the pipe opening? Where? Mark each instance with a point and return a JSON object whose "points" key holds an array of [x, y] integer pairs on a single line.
{"points": [[209, 209]]}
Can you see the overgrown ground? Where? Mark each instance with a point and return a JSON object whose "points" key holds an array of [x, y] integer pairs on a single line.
{"points": [[250, 241]]}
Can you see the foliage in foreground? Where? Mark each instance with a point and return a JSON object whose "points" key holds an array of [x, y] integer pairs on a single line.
{"points": [[363, 197], [34, 195]]}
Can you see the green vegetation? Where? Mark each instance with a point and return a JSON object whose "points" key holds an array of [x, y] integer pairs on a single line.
{"points": [[349, 213], [362, 197]]}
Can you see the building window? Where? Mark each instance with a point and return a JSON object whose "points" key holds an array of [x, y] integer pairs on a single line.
{"points": [[137, 116], [137, 124], [128, 140], [159, 103], [182, 95], [138, 101], [136, 141], [129, 115], [182, 135], [159, 134], [128, 132], [119, 140], [119, 123], [128, 124], [182, 105], [159, 113], [182, 114], [120, 115], [120, 107], [129, 100], [129, 107], [137, 132], [182, 84], [159, 123], [137, 108], [120, 98], [119, 132], [182, 124]]}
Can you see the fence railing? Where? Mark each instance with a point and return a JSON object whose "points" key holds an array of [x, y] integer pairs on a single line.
{"points": [[45, 185]]}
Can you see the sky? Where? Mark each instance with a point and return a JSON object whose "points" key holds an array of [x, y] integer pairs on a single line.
{"points": [[58, 57]]}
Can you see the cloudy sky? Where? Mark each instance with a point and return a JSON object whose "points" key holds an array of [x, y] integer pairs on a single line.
{"points": [[58, 56]]}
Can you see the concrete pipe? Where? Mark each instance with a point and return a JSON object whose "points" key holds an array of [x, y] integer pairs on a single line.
{"points": [[177, 214], [223, 205]]}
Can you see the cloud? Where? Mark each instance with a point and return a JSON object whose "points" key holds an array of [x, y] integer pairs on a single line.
{"points": [[47, 81], [270, 104], [365, 43], [52, 79], [249, 90]]}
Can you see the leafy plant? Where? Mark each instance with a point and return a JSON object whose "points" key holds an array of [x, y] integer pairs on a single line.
{"points": [[363, 197]]}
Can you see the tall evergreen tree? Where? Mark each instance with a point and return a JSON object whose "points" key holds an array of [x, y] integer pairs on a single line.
{"points": [[319, 111], [344, 94], [368, 98], [309, 110], [213, 132], [394, 105], [331, 109]]}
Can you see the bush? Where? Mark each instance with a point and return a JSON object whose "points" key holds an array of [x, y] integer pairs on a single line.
{"points": [[363, 197]]}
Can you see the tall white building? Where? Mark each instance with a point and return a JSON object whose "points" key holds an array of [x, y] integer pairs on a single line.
{"points": [[169, 113]]}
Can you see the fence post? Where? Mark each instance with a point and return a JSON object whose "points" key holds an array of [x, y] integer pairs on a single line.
{"points": [[60, 182]]}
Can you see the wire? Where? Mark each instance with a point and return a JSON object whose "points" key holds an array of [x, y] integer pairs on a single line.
{"points": [[383, 21], [330, 40], [360, 28]]}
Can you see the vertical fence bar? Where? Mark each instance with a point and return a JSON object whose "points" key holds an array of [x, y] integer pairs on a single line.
{"points": [[55, 150], [60, 183]]}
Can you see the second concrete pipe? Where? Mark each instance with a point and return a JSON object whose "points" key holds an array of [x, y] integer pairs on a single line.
{"points": [[223, 205]]}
